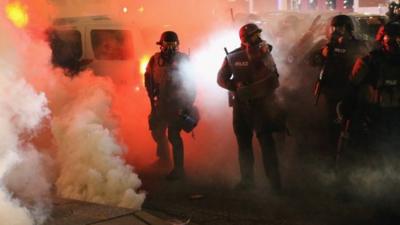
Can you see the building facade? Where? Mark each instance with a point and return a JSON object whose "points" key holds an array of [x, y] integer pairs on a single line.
{"points": [[308, 5]]}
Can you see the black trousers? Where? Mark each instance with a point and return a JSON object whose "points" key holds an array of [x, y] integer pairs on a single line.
{"points": [[163, 129], [247, 119]]}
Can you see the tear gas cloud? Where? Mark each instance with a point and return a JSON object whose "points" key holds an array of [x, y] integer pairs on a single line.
{"points": [[32, 159], [24, 184], [89, 155], [206, 60], [92, 168]]}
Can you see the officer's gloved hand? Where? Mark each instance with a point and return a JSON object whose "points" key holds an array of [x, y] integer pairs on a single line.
{"points": [[264, 47], [258, 51]]}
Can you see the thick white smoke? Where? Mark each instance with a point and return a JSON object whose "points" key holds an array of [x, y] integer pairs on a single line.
{"points": [[89, 155], [206, 61], [79, 132], [24, 186]]}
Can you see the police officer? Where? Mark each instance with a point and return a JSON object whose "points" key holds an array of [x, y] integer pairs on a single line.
{"points": [[394, 16], [337, 59], [372, 104], [171, 93], [250, 73], [394, 11], [376, 77]]}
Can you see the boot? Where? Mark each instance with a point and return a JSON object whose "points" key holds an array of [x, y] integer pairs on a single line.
{"points": [[176, 174], [244, 185]]}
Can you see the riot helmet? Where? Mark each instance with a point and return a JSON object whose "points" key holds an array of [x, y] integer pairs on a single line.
{"points": [[341, 27], [343, 21], [250, 34], [169, 43]]}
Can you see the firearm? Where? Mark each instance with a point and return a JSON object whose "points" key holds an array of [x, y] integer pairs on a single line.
{"points": [[318, 84], [231, 95], [226, 51], [343, 140]]}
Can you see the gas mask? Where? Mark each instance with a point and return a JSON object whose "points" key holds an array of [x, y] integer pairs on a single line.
{"points": [[394, 11], [254, 39], [255, 46], [338, 34], [168, 50], [391, 44]]}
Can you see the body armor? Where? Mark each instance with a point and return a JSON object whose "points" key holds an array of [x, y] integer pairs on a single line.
{"points": [[338, 67], [167, 83], [386, 87], [252, 79]]}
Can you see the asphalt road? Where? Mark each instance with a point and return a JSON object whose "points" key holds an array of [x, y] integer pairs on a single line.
{"points": [[218, 203]]}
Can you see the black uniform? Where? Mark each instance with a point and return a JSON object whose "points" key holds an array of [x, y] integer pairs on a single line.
{"points": [[253, 82], [372, 104], [171, 92], [337, 67], [375, 96]]}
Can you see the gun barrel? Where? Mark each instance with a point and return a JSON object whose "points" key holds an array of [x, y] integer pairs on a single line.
{"points": [[317, 89], [343, 139], [317, 92]]}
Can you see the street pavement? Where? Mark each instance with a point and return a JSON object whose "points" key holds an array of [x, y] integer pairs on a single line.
{"points": [[192, 201]]}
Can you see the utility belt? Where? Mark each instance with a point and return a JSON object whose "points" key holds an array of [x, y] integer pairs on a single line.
{"points": [[384, 96], [259, 89]]}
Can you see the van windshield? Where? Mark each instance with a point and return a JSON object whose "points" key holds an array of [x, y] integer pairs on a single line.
{"points": [[112, 44], [66, 46]]}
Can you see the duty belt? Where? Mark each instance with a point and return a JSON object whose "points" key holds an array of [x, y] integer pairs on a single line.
{"points": [[258, 89]]}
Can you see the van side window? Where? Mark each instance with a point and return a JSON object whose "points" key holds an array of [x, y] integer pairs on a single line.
{"points": [[66, 46], [112, 44]]}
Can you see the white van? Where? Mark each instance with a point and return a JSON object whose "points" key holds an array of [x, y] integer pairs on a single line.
{"points": [[107, 47]]}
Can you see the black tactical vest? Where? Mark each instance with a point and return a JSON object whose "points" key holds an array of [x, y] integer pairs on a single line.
{"points": [[241, 67], [167, 79], [386, 82], [256, 79], [340, 62]]}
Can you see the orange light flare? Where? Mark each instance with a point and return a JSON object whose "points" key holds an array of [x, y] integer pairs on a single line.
{"points": [[141, 9], [144, 60], [17, 13], [143, 64]]}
